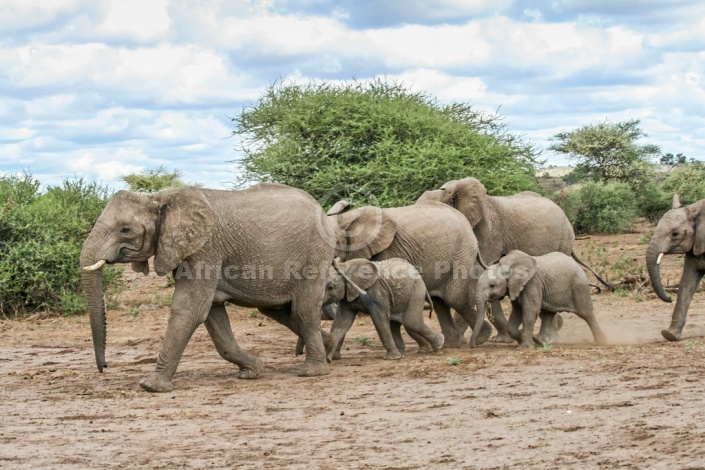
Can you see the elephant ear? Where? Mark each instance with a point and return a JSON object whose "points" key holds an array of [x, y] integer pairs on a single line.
{"points": [[470, 199], [522, 268], [363, 273], [697, 211], [367, 231], [186, 219], [140, 267], [339, 207]]}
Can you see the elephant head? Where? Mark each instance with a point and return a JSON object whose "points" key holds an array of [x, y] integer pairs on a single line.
{"points": [[363, 232], [509, 276], [169, 225], [680, 230], [466, 195]]}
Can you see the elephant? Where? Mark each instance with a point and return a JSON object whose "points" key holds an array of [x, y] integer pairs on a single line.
{"points": [[233, 246], [525, 221], [435, 238], [544, 285], [680, 230], [391, 291]]}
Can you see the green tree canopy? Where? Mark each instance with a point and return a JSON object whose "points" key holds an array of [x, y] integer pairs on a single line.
{"points": [[155, 179], [687, 180], [379, 139], [609, 151]]}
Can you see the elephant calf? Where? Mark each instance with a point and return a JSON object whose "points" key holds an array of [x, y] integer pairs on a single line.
{"points": [[536, 285], [395, 296]]}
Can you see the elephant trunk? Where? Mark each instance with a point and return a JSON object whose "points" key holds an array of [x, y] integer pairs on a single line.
{"points": [[653, 258], [92, 279], [481, 303]]}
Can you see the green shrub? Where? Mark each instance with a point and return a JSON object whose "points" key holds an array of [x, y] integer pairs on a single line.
{"points": [[41, 235], [599, 207], [651, 202]]}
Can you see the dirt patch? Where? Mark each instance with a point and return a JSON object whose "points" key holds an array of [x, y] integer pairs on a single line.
{"points": [[636, 403]]}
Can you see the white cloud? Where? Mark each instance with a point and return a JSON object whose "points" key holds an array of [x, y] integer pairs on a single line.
{"points": [[106, 168], [141, 20]]}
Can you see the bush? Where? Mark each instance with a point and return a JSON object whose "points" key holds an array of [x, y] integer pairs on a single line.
{"points": [[41, 235], [600, 207], [688, 181], [651, 201], [357, 140]]}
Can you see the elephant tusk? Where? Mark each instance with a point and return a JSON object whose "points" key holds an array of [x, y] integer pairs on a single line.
{"points": [[96, 266], [658, 260]]}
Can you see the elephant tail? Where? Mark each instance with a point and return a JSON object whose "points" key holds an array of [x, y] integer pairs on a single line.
{"points": [[430, 302], [602, 281]]}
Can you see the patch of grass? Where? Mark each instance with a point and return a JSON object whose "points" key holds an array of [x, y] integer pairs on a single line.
{"points": [[364, 340], [547, 345], [689, 346], [162, 300], [254, 314], [645, 238], [134, 311], [453, 361], [621, 292]]}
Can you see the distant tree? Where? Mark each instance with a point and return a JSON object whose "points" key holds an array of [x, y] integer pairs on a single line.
{"points": [[686, 180], [376, 139], [609, 151], [155, 179], [672, 161]]}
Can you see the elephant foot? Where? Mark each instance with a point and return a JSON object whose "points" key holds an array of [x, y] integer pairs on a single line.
{"points": [[502, 338], [540, 341], [437, 342], [457, 342], [314, 369], [423, 349], [671, 335], [392, 355], [526, 345], [156, 383], [250, 371]]}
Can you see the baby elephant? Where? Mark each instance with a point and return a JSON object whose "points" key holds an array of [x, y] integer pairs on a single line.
{"points": [[536, 285], [390, 291]]}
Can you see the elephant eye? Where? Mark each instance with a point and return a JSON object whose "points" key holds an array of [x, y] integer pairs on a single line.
{"points": [[492, 284], [675, 233], [125, 230]]}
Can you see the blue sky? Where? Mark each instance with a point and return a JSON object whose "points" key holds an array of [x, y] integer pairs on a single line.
{"points": [[102, 88]]}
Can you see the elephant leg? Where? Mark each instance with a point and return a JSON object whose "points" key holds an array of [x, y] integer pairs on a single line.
{"points": [[395, 326], [688, 284], [341, 325], [453, 338], [529, 315], [460, 324], [190, 307], [306, 317], [469, 315], [546, 331], [424, 346], [416, 326], [499, 321], [385, 335], [220, 331], [514, 322]]}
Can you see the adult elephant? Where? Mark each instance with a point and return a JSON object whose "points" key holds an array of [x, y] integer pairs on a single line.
{"points": [[525, 221], [222, 246], [680, 230], [433, 237]]}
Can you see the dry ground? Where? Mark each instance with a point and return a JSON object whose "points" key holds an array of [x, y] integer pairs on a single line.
{"points": [[637, 403]]}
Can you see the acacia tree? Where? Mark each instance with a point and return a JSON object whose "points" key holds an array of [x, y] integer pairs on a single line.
{"points": [[365, 139], [609, 151]]}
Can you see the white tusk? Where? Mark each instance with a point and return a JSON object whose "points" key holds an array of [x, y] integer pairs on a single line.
{"points": [[93, 267], [658, 260]]}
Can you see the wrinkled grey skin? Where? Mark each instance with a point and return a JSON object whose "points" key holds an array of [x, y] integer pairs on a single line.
{"points": [[436, 239], [223, 233], [680, 230], [399, 295], [543, 285], [525, 221]]}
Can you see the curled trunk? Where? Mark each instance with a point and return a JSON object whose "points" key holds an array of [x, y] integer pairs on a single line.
{"points": [[652, 266]]}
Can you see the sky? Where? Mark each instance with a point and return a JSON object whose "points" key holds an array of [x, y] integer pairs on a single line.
{"points": [[102, 88]]}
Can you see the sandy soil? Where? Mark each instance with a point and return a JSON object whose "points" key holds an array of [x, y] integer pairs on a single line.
{"points": [[636, 403]]}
